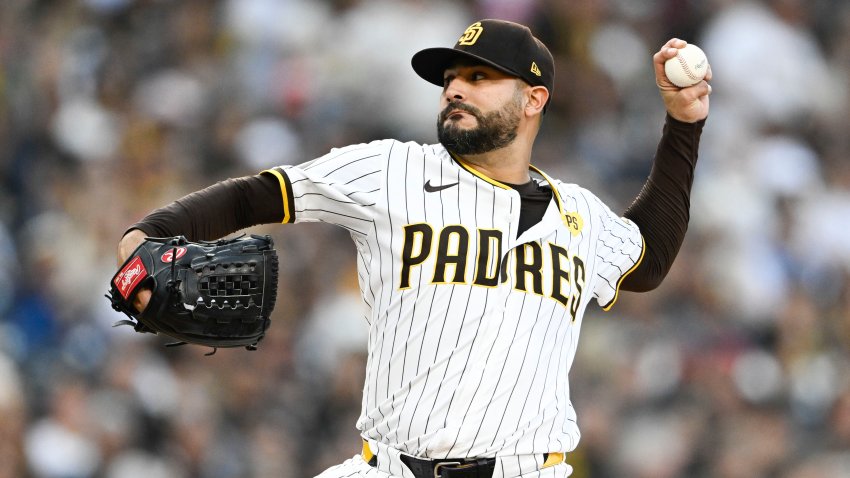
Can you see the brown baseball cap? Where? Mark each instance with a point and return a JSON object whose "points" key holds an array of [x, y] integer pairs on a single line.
{"points": [[506, 46]]}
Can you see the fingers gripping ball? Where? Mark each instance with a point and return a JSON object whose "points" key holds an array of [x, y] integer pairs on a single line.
{"points": [[688, 67], [218, 294]]}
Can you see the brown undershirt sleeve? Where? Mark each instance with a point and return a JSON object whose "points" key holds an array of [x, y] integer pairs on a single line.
{"points": [[661, 209], [219, 210]]}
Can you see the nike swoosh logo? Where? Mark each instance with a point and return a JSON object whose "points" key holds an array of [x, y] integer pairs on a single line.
{"points": [[432, 189]]}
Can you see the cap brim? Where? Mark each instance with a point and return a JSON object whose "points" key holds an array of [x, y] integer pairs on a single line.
{"points": [[431, 63]]}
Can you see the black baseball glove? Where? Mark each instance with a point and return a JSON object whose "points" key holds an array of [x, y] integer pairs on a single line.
{"points": [[218, 294]]}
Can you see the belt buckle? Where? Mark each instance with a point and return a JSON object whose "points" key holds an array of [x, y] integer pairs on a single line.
{"points": [[437, 473]]}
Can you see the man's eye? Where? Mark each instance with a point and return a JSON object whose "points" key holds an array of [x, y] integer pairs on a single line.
{"points": [[478, 76]]}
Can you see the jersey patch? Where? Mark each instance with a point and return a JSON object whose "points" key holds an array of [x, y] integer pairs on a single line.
{"points": [[574, 223]]}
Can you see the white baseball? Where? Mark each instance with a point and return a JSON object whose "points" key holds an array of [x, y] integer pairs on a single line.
{"points": [[688, 67]]}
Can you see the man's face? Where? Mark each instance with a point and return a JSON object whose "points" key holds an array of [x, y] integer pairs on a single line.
{"points": [[482, 109]]}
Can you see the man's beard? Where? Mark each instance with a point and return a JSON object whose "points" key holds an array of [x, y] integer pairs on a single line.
{"points": [[495, 130]]}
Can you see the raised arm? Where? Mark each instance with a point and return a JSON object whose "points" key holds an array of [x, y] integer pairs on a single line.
{"points": [[662, 208]]}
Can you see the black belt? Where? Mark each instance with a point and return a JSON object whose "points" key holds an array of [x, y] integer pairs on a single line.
{"points": [[448, 468], [461, 468], [465, 468]]}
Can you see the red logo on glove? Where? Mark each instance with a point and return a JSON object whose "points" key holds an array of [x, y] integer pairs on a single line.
{"points": [[130, 276], [170, 255]]}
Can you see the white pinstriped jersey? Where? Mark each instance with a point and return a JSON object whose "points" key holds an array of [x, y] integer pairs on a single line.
{"points": [[472, 330]]}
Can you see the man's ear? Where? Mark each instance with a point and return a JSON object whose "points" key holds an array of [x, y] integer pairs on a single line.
{"points": [[537, 98]]}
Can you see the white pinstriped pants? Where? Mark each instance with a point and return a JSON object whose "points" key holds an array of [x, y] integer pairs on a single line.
{"points": [[390, 466]]}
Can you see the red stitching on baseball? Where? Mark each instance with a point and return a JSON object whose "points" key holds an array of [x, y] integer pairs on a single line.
{"points": [[684, 64]]}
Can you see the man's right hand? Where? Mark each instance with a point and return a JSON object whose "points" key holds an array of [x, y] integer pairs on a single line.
{"points": [[126, 246], [684, 104]]}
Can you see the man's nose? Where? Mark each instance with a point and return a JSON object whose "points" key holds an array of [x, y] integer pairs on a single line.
{"points": [[455, 90]]}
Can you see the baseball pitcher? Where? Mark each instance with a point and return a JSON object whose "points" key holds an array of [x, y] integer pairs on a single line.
{"points": [[476, 266]]}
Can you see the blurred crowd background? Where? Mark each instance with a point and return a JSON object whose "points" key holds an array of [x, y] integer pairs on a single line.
{"points": [[737, 366]]}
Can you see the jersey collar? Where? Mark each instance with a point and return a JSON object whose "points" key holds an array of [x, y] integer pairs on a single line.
{"points": [[468, 167], [555, 192]]}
